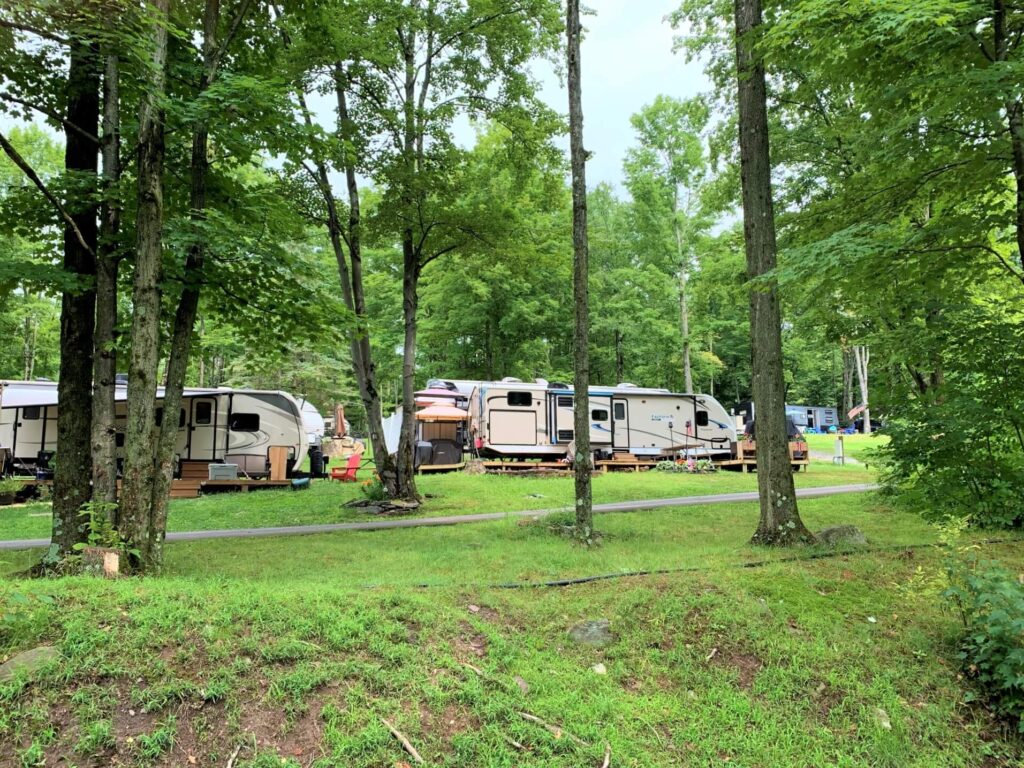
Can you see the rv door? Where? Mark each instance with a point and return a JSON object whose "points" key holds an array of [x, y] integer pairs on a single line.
{"points": [[620, 422], [202, 426]]}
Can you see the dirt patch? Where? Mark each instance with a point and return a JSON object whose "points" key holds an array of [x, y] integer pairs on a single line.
{"points": [[452, 721], [826, 698], [469, 643], [745, 665]]}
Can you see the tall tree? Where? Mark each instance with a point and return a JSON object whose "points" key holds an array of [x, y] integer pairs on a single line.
{"points": [[666, 175], [780, 521], [108, 260], [582, 461], [71, 487], [141, 428]]}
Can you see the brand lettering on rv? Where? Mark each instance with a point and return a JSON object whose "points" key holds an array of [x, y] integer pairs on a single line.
{"points": [[661, 417]]}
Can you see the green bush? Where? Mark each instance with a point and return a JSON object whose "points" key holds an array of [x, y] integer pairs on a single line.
{"points": [[991, 604]]}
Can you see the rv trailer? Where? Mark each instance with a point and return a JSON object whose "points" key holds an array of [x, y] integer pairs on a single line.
{"points": [[236, 426], [515, 419]]}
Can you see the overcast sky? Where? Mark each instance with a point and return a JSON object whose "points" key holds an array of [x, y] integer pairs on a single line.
{"points": [[627, 60]]}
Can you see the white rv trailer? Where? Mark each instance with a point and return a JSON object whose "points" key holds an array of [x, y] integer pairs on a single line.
{"points": [[511, 418], [236, 426]]}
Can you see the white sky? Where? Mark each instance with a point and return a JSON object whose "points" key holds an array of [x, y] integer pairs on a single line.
{"points": [[627, 60]]}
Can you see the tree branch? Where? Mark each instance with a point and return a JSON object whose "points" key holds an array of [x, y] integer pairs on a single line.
{"points": [[50, 114], [21, 26], [19, 161], [236, 23]]}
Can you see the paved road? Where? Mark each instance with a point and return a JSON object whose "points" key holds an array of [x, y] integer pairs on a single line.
{"points": [[417, 522]]}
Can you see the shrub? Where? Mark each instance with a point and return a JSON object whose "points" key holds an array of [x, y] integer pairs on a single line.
{"points": [[990, 601]]}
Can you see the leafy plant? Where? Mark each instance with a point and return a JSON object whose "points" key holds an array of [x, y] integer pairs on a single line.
{"points": [[990, 601], [374, 489], [102, 533], [11, 485]]}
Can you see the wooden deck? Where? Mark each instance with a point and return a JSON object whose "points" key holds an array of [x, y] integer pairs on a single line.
{"points": [[746, 456], [427, 468]]}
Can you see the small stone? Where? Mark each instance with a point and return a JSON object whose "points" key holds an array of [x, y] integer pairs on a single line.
{"points": [[841, 536], [28, 661], [872, 620], [596, 633], [599, 669], [523, 685], [474, 608], [131, 713], [883, 719]]}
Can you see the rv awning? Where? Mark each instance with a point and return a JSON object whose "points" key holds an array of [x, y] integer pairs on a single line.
{"points": [[442, 413], [437, 396]]}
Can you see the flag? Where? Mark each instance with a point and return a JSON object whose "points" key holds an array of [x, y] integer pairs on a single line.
{"points": [[857, 411]]}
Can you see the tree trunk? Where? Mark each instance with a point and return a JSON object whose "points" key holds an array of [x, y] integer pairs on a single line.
{"points": [[862, 356], [104, 447], [188, 304], [684, 310], [71, 484], [140, 432], [847, 382], [355, 299], [620, 357], [581, 356], [780, 521], [410, 301], [1014, 122]]}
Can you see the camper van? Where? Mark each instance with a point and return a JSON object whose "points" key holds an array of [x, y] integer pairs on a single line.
{"points": [[515, 419], [236, 426]]}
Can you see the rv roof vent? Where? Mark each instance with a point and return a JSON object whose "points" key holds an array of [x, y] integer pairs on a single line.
{"points": [[512, 380], [542, 382], [626, 385], [558, 385]]}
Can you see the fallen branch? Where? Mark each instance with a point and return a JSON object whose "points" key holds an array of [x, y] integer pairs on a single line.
{"points": [[404, 741], [710, 656], [479, 671], [555, 730], [234, 755], [607, 755], [514, 743]]}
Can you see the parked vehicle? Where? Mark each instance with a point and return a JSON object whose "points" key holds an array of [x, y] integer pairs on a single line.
{"points": [[516, 419], [236, 426]]}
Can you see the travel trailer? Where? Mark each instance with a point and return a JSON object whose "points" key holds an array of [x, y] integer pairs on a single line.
{"points": [[813, 417], [235, 426], [515, 419]]}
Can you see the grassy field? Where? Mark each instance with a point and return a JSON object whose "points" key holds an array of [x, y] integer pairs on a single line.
{"points": [[448, 494], [857, 447], [292, 651]]}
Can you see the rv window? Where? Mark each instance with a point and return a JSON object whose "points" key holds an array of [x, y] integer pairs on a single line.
{"points": [[599, 414], [564, 434], [565, 401], [520, 399], [620, 411], [159, 416], [119, 439], [244, 422], [181, 418], [204, 412], [30, 412], [702, 418]]}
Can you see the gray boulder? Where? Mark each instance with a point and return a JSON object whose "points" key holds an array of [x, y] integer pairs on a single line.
{"points": [[841, 536], [596, 633], [28, 661]]}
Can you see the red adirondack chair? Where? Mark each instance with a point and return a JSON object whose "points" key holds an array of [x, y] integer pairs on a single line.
{"points": [[347, 474]]}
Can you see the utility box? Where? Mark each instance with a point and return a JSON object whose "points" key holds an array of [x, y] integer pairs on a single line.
{"points": [[223, 471]]}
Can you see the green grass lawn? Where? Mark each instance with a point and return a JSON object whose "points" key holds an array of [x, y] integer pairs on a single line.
{"points": [[858, 447], [447, 494], [283, 650]]}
